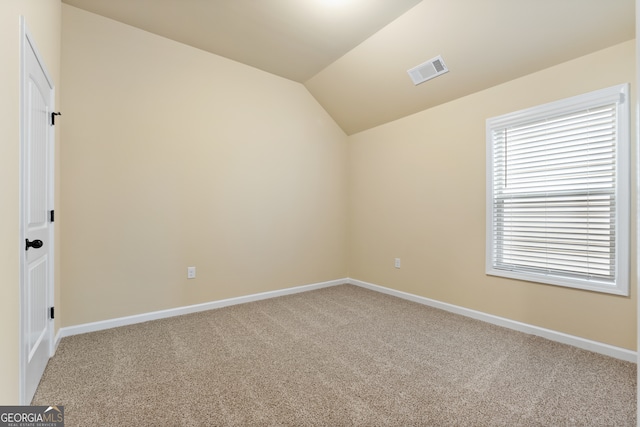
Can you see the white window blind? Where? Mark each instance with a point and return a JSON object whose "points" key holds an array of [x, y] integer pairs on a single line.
{"points": [[557, 208]]}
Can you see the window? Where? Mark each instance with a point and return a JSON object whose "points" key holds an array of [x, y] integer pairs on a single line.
{"points": [[558, 190]]}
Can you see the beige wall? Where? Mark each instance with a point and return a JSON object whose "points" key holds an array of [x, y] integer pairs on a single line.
{"points": [[174, 157], [417, 192], [43, 21]]}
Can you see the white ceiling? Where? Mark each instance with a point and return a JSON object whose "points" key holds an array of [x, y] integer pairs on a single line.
{"points": [[294, 39], [352, 55]]}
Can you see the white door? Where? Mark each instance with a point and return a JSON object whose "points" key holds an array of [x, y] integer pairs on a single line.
{"points": [[37, 152]]}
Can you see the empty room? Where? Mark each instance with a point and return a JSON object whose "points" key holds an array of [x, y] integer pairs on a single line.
{"points": [[315, 212]]}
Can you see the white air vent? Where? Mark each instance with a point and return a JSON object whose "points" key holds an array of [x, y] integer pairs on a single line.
{"points": [[430, 69]]}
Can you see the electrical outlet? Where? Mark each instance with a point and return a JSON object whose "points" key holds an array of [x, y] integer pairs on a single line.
{"points": [[191, 272], [397, 263]]}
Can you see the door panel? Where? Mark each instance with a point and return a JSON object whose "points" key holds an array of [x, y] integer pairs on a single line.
{"points": [[36, 298], [37, 200]]}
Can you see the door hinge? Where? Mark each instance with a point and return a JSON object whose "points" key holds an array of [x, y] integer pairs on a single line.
{"points": [[53, 118], [51, 313], [51, 215]]}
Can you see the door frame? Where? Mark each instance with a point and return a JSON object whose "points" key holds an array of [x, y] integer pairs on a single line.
{"points": [[27, 42]]}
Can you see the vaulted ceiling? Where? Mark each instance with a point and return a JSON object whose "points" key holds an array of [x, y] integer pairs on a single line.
{"points": [[353, 55]]}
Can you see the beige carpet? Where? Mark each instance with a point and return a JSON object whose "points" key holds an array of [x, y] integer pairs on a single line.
{"points": [[339, 356]]}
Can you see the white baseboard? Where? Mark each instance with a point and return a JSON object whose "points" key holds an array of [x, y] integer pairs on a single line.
{"points": [[179, 311], [594, 346], [597, 347], [56, 341]]}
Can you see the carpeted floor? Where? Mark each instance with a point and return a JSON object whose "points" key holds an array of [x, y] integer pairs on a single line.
{"points": [[339, 356]]}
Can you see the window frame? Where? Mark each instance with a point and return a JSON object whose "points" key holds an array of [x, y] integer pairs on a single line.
{"points": [[618, 95]]}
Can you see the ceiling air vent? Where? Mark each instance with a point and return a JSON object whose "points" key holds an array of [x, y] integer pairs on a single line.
{"points": [[428, 70]]}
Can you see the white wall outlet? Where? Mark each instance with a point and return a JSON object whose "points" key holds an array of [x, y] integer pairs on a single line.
{"points": [[191, 272], [397, 263]]}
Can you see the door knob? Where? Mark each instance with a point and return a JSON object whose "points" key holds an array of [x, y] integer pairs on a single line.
{"points": [[35, 244]]}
